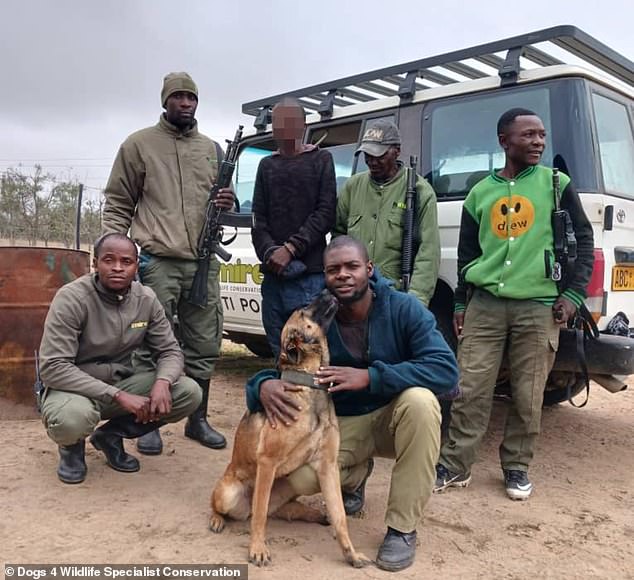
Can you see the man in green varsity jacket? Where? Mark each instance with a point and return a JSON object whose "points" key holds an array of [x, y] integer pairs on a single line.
{"points": [[505, 266]]}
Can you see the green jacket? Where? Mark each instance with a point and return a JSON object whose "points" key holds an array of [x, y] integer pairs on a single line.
{"points": [[90, 335], [506, 244], [373, 213], [159, 186]]}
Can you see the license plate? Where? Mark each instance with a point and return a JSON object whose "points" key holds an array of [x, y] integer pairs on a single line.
{"points": [[622, 278]]}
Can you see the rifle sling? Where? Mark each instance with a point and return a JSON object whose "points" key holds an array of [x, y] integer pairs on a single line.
{"points": [[585, 329]]}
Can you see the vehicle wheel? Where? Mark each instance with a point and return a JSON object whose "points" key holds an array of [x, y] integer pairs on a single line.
{"points": [[259, 347], [557, 387]]}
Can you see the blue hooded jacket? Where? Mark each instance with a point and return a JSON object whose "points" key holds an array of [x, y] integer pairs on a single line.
{"points": [[405, 349]]}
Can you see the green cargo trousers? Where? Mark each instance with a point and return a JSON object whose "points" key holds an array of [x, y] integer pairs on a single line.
{"points": [[69, 417], [408, 430], [530, 335], [199, 329]]}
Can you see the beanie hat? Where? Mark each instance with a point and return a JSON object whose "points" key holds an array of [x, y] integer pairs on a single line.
{"points": [[175, 82]]}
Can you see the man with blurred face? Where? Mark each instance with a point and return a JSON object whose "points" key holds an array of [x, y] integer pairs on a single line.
{"points": [[92, 328], [507, 298], [294, 203], [158, 189], [371, 208]]}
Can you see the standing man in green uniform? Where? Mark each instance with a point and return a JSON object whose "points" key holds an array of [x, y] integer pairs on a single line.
{"points": [[92, 328], [371, 206], [158, 188]]}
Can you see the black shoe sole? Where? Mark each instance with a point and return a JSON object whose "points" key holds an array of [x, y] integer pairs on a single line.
{"points": [[215, 446], [146, 451], [392, 566], [70, 481]]}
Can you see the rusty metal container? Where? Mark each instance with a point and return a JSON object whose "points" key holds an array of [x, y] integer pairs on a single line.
{"points": [[29, 278]]}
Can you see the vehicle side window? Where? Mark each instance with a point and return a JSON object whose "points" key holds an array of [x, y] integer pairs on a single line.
{"points": [[464, 145], [616, 145], [246, 169]]}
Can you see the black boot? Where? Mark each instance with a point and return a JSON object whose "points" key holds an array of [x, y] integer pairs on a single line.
{"points": [[108, 438], [72, 463], [353, 500], [397, 550], [197, 427], [150, 443]]}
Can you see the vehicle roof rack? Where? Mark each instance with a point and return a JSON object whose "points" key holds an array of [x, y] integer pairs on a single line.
{"points": [[406, 79]]}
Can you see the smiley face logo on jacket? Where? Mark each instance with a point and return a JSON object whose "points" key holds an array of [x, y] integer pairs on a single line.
{"points": [[512, 216]]}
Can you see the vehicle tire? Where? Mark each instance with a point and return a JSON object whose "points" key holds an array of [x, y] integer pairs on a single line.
{"points": [[557, 387], [259, 347]]}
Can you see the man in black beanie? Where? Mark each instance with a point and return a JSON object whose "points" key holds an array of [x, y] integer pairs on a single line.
{"points": [[158, 189]]}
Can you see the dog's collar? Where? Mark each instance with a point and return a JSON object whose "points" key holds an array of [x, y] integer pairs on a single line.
{"points": [[303, 378]]}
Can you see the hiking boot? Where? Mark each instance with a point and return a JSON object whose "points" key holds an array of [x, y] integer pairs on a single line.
{"points": [[72, 463], [150, 443], [353, 500], [446, 479], [517, 485], [397, 550]]}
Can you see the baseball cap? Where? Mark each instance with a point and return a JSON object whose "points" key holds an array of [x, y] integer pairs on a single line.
{"points": [[379, 137]]}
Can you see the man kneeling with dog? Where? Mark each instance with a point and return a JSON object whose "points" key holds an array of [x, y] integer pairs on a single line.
{"points": [[92, 328], [388, 365]]}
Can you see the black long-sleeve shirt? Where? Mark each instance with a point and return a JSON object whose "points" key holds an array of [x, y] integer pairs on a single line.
{"points": [[295, 201]]}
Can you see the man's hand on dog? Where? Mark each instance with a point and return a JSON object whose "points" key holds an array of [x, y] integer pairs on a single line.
{"points": [[278, 405], [344, 378]]}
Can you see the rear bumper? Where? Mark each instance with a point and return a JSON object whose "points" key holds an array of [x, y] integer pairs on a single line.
{"points": [[608, 355]]}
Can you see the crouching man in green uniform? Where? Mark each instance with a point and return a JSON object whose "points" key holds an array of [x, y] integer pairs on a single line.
{"points": [[92, 328]]}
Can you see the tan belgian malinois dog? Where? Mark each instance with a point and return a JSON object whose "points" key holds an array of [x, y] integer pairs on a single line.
{"points": [[254, 482]]}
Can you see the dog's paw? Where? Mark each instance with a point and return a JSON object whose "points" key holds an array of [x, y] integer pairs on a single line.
{"points": [[358, 560], [259, 555], [216, 523]]}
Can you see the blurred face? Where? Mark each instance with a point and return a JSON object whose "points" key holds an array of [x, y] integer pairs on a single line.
{"points": [[384, 167], [524, 140], [116, 264], [288, 123], [180, 108], [347, 274]]}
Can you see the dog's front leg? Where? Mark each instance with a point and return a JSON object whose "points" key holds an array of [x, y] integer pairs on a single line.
{"points": [[328, 472], [265, 475]]}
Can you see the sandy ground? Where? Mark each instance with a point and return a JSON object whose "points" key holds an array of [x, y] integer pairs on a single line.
{"points": [[578, 524]]}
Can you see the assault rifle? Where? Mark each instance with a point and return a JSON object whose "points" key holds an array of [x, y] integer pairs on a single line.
{"points": [[565, 242], [211, 237], [409, 223]]}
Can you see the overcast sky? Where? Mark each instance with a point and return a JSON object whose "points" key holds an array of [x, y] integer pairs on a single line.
{"points": [[80, 75]]}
